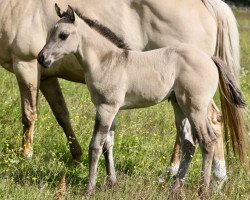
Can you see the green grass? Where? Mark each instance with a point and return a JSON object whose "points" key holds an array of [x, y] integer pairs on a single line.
{"points": [[143, 144]]}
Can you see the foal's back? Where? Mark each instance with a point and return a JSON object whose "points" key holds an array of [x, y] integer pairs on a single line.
{"points": [[153, 75]]}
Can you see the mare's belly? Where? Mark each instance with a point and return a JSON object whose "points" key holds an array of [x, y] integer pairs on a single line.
{"points": [[67, 68]]}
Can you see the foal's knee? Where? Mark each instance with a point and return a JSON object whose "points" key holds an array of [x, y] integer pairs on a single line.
{"points": [[28, 118]]}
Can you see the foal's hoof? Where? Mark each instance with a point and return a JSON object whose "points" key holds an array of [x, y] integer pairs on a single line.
{"points": [[203, 192], [176, 189], [111, 182], [172, 171], [176, 193]]}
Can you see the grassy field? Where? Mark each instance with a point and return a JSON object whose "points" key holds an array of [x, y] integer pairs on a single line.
{"points": [[143, 143]]}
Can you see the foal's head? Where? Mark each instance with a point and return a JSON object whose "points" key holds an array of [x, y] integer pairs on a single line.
{"points": [[63, 39]]}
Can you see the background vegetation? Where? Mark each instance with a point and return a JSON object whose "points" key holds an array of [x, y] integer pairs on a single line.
{"points": [[143, 143], [239, 2]]}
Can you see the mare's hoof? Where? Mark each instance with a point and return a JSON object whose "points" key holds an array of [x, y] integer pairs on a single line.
{"points": [[90, 192], [162, 178], [217, 185], [76, 152], [76, 163], [27, 153]]}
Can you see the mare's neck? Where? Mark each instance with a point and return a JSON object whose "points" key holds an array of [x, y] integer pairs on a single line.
{"points": [[94, 48]]}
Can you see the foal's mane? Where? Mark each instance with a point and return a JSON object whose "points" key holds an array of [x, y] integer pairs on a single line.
{"points": [[104, 31]]}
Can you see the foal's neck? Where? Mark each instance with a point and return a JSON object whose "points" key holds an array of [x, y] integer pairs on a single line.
{"points": [[95, 48]]}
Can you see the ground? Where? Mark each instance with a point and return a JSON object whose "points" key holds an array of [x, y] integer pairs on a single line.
{"points": [[143, 144]]}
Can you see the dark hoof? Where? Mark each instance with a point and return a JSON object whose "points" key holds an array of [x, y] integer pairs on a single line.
{"points": [[76, 156], [176, 190], [90, 192], [203, 192], [111, 183], [76, 163]]}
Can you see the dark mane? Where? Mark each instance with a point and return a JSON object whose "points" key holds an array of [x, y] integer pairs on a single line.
{"points": [[105, 31]]}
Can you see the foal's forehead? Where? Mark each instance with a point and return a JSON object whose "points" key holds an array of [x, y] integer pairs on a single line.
{"points": [[63, 23]]}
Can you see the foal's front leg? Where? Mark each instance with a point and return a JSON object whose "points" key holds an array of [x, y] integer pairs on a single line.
{"points": [[108, 154], [104, 118]]}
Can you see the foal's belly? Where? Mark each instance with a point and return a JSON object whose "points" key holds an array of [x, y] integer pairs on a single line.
{"points": [[144, 100]]}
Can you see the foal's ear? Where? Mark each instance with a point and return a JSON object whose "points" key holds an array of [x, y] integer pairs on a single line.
{"points": [[71, 14], [59, 12]]}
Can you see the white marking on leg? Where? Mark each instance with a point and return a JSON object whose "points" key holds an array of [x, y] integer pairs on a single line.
{"points": [[171, 171], [220, 172]]}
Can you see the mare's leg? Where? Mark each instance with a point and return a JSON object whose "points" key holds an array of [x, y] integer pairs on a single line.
{"points": [[28, 78], [53, 94], [176, 155], [104, 117], [108, 154], [219, 164]]}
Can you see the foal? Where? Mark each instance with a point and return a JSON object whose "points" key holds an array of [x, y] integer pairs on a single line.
{"points": [[118, 78]]}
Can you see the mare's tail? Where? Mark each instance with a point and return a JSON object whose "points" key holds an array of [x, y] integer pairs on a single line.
{"points": [[227, 46], [232, 104]]}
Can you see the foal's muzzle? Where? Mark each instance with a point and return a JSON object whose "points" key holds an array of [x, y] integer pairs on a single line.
{"points": [[42, 61]]}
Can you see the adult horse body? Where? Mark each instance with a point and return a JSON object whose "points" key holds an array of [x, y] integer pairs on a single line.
{"points": [[118, 78], [144, 24]]}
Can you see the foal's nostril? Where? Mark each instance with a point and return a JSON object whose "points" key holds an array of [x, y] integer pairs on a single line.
{"points": [[40, 59]]}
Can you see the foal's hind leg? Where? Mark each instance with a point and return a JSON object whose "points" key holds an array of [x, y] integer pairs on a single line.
{"points": [[183, 129], [108, 154], [195, 108], [187, 144], [207, 140], [53, 94]]}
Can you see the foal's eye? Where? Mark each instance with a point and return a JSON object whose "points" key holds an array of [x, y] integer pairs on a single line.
{"points": [[63, 36]]}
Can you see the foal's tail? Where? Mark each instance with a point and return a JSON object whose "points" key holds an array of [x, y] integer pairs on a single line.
{"points": [[227, 47], [232, 104]]}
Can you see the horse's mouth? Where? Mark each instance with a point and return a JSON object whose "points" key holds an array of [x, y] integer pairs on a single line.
{"points": [[44, 63]]}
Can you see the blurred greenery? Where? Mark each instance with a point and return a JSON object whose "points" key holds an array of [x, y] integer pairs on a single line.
{"points": [[239, 2]]}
